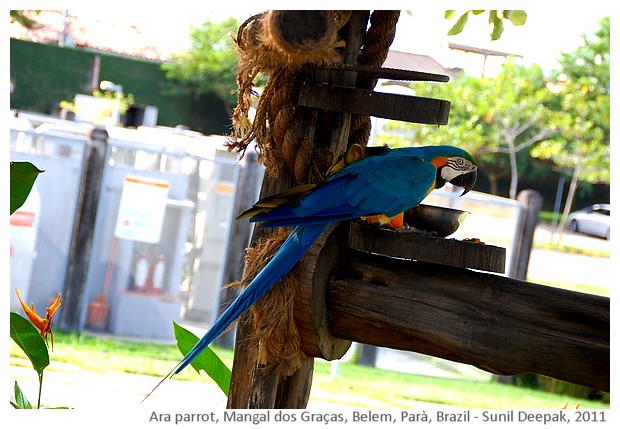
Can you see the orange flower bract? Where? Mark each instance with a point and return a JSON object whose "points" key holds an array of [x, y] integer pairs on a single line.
{"points": [[44, 325]]}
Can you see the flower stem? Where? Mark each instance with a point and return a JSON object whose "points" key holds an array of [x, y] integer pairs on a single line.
{"points": [[40, 388]]}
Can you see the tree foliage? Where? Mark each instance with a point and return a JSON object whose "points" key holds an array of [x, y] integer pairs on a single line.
{"points": [[24, 17], [496, 20], [583, 104], [493, 118], [210, 64], [510, 118]]}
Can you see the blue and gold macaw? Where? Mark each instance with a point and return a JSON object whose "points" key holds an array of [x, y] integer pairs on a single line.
{"points": [[382, 182]]}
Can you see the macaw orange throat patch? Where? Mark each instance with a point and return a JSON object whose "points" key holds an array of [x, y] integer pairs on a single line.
{"points": [[43, 324], [439, 161]]}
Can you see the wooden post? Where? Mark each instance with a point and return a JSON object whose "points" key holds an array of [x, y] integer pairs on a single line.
{"points": [[368, 355], [531, 201], [253, 387], [93, 165], [238, 237]]}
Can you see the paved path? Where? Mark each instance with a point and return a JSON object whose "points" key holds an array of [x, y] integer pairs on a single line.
{"points": [[548, 266]]}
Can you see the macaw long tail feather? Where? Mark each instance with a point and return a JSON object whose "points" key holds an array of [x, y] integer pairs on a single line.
{"points": [[282, 262]]}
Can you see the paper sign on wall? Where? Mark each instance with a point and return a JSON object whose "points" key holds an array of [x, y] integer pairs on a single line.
{"points": [[142, 208]]}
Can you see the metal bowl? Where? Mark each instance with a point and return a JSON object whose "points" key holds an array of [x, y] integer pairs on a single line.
{"points": [[433, 219]]}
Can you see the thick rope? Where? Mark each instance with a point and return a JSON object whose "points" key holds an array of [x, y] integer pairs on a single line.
{"points": [[377, 42], [275, 339], [262, 49]]}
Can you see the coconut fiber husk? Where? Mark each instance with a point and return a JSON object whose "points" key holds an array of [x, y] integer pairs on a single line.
{"points": [[274, 335]]}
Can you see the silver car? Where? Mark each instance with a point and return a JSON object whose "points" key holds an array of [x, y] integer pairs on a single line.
{"points": [[593, 220]]}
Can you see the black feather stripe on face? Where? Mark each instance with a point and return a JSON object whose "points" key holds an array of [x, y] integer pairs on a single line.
{"points": [[439, 181]]}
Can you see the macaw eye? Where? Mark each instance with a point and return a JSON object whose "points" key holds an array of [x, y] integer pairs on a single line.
{"points": [[460, 162]]}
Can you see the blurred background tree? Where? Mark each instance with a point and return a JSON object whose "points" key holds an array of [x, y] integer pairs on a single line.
{"points": [[494, 118], [582, 100], [521, 121], [209, 65]]}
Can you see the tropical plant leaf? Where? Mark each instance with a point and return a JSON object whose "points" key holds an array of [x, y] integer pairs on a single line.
{"points": [[498, 25], [517, 17], [30, 341], [20, 403], [23, 175], [498, 29], [206, 361], [459, 25]]}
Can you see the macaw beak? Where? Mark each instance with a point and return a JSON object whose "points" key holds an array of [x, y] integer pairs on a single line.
{"points": [[466, 181]]}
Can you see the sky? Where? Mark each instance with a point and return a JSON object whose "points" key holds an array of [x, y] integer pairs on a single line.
{"points": [[547, 32]]}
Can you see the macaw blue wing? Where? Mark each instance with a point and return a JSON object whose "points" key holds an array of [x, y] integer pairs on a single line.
{"points": [[381, 184]]}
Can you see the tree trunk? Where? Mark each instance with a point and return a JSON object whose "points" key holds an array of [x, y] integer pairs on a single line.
{"points": [[572, 189], [514, 174]]}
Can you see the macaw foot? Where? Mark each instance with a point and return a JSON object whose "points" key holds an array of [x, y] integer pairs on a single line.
{"points": [[425, 233], [396, 222]]}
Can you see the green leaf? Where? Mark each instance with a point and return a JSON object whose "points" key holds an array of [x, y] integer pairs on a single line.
{"points": [[207, 361], [517, 17], [21, 403], [23, 175], [498, 29], [449, 14], [498, 25], [30, 341], [459, 25]]}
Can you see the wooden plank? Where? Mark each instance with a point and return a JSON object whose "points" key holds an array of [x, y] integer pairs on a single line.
{"points": [[501, 325], [391, 73], [370, 103], [411, 245]]}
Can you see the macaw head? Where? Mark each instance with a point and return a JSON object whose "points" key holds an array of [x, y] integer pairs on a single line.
{"points": [[457, 167]]}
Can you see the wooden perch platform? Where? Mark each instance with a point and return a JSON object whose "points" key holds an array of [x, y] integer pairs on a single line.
{"points": [[370, 103], [390, 73], [411, 245], [499, 324]]}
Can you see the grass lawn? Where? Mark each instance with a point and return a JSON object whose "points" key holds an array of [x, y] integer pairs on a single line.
{"points": [[354, 385], [583, 288]]}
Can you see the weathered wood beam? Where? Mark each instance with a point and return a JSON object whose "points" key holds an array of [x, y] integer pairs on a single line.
{"points": [[501, 325], [370, 103], [412, 245], [390, 73]]}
